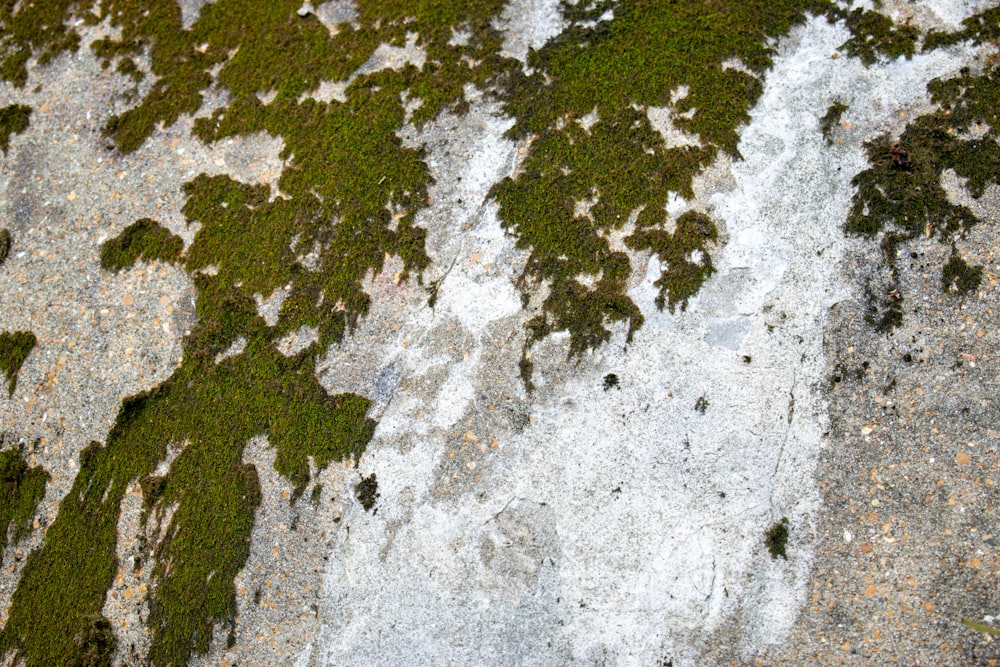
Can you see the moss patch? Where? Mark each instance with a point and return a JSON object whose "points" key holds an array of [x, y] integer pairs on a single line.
{"points": [[14, 119], [21, 489], [958, 277], [5, 244], [14, 349], [366, 492], [831, 119], [901, 197], [349, 193], [145, 240], [776, 539]]}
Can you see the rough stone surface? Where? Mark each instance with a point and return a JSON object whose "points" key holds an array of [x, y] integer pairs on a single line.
{"points": [[616, 515]]}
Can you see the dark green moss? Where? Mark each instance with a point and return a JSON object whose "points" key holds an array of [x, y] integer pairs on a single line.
{"points": [[579, 186], [776, 539], [95, 644], [14, 349], [145, 240], [316, 495], [349, 189], [21, 489], [875, 35], [5, 243], [831, 119], [959, 277], [366, 492], [901, 196], [14, 119]]}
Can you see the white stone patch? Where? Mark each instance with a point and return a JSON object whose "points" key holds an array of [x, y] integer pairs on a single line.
{"points": [[237, 347], [337, 12], [661, 118], [528, 24], [298, 340], [270, 308]]}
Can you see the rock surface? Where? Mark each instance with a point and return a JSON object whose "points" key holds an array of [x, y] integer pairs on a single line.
{"points": [[618, 513]]}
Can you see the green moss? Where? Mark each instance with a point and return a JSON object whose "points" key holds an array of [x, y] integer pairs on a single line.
{"points": [[350, 191], [21, 489], [776, 539], [95, 644], [366, 492], [958, 277], [14, 119], [901, 196], [875, 35], [5, 243], [579, 186], [831, 119], [14, 349], [144, 239]]}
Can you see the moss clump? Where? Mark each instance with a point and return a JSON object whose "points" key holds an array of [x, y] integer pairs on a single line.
{"points": [[901, 197], [144, 239], [580, 185], [875, 35], [349, 192], [958, 277], [366, 492], [14, 349], [95, 644], [5, 243], [831, 119], [21, 489], [776, 539], [14, 119]]}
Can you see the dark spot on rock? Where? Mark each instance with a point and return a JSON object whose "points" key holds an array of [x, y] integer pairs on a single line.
{"points": [[776, 539], [611, 381], [701, 405], [367, 492]]}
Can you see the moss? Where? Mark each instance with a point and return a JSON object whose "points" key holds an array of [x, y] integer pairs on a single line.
{"points": [[366, 492], [875, 35], [350, 190], [5, 243], [21, 489], [95, 644], [958, 277], [831, 119], [14, 119], [578, 186], [900, 197], [14, 349], [144, 239], [776, 539]]}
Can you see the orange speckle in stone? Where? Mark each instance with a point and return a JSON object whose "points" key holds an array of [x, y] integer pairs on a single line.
{"points": [[928, 606], [962, 459], [870, 590], [866, 547], [974, 563]]}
